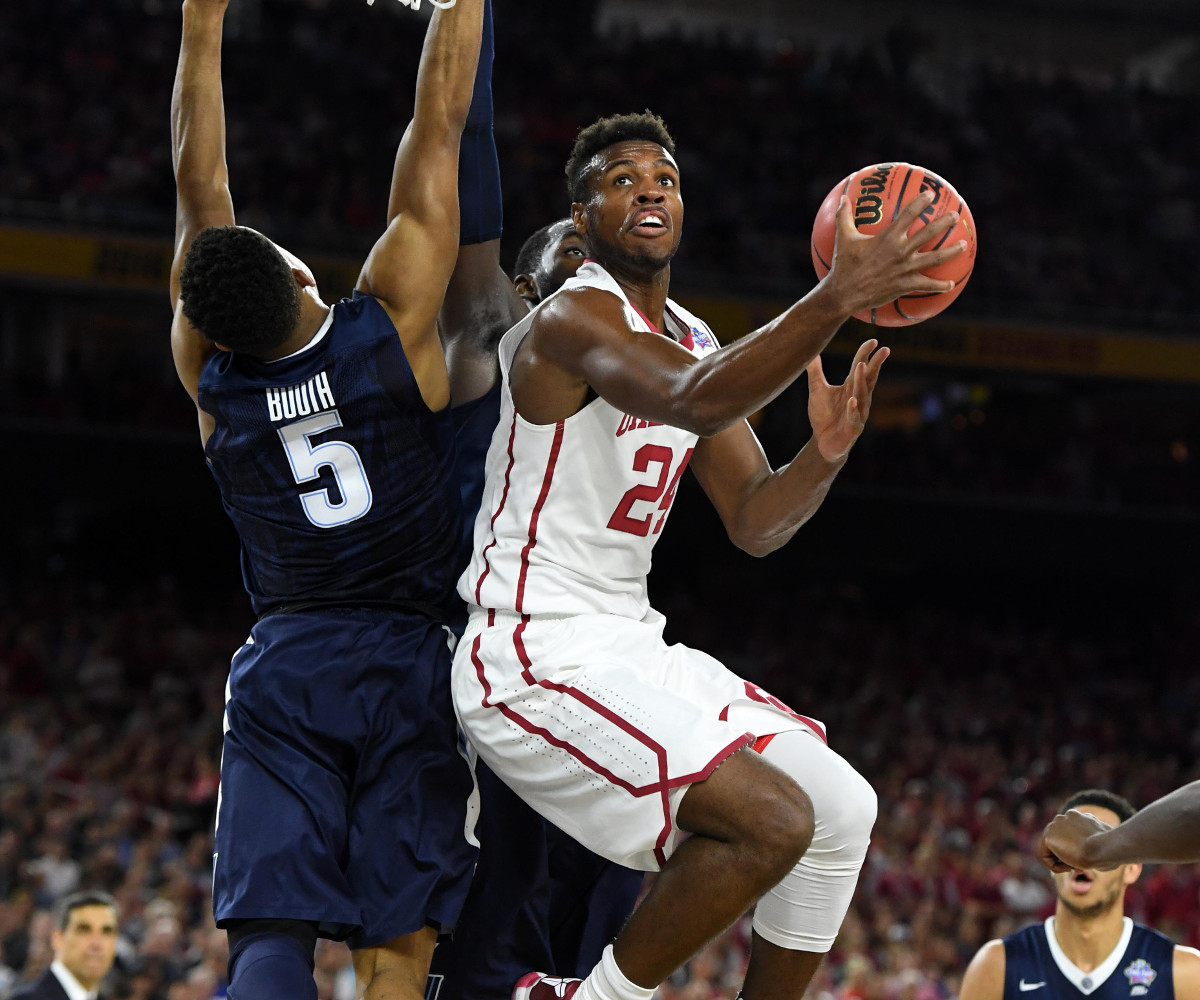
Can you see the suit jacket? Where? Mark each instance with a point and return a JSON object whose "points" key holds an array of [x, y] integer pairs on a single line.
{"points": [[45, 987]]}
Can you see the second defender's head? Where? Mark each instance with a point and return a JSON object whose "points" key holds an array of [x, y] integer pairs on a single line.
{"points": [[547, 259], [1091, 894], [241, 290], [624, 186]]}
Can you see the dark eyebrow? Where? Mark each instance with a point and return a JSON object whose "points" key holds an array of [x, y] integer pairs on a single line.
{"points": [[662, 161]]}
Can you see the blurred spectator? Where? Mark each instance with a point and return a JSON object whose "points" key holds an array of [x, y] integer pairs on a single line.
{"points": [[85, 944]]}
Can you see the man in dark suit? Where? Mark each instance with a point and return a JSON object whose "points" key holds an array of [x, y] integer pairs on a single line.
{"points": [[85, 944]]}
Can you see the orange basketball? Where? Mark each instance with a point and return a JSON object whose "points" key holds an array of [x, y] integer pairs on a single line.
{"points": [[877, 193]]}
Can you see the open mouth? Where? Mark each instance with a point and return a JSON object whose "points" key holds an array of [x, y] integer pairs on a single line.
{"points": [[1081, 882], [651, 224]]}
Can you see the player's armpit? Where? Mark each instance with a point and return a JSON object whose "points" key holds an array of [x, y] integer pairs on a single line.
{"points": [[1185, 969], [984, 978], [190, 349]]}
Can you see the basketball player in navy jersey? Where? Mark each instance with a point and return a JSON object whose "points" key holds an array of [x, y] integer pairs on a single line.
{"points": [[620, 772], [1089, 948], [538, 899], [1165, 831], [343, 795]]}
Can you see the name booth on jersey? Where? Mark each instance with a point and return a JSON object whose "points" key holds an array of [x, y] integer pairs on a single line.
{"points": [[301, 400]]}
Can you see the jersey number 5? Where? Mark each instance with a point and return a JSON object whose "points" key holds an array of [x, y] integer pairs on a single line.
{"points": [[306, 460], [644, 457]]}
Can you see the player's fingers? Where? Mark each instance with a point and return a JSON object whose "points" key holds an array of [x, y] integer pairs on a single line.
{"points": [[910, 212], [942, 224], [845, 219], [863, 352], [932, 258]]}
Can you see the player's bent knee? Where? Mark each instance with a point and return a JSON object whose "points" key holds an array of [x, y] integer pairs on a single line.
{"points": [[782, 826]]}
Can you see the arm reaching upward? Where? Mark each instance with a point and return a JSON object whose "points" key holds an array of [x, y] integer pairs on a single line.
{"points": [[410, 265], [1166, 831], [481, 302], [201, 174]]}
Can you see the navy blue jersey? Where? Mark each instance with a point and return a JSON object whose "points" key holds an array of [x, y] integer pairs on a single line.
{"points": [[1035, 967], [337, 476], [474, 423]]}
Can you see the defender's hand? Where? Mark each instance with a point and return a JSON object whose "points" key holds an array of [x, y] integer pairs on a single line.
{"points": [[839, 412], [869, 271], [1064, 842]]}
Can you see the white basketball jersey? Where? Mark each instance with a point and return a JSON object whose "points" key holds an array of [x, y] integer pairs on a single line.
{"points": [[571, 510]]}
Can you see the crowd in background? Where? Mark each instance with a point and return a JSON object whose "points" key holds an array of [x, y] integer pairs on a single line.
{"points": [[971, 719], [1083, 191]]}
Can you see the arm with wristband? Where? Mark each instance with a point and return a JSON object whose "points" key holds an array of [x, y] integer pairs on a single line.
{"points": [[481, 303]]}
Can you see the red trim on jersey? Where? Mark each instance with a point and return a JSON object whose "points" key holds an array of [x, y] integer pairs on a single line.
{"points": [[537, 509], [762, 742], [644, 317], [503, 497], [755, 693], [661, 787]]}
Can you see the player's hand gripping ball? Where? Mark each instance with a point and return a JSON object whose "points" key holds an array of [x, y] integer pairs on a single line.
{"points": [[876, 194]]}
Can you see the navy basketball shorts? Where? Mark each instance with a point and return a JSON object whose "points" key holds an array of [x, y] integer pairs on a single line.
{"points": [[344, 795]]}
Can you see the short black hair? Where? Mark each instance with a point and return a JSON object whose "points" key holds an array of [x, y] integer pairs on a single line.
{"points": [[77, 900], [529, 257], [608, 132], [238, 290], [1105, 800]]}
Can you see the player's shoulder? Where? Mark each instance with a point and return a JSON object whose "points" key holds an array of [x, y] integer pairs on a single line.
{"points": [[984, 977], [1185, 968]]}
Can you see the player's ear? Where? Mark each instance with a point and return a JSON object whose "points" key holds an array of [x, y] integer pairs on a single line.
{"points": [[1132, 874], [303, 278], [579, 218], [526, 286]]}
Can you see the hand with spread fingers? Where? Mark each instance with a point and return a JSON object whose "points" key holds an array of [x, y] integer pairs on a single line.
{"points": [[838, 413]]}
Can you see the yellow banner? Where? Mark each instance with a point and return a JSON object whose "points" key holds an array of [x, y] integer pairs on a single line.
{"points": [[68, 259], [990, 345]]}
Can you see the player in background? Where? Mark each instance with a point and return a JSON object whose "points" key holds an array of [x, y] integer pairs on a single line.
{"points": [[562, 680], [538, 899], [1166, 831], [1089, 948], [343, 794]]}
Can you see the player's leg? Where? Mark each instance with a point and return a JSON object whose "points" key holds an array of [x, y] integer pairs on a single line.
{"points": [[281, 815], [750, 823], [409, 853], [795, 923], [271, 958], [397, 969]]}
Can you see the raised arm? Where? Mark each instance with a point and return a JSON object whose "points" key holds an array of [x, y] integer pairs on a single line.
{"points": [[410, 265], [584, 334], [201, 175], [1166, 831], [763, 508], [481, 303]]}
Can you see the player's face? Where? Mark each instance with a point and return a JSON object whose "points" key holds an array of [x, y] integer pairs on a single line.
{"points": [[561, 258], [88, 944], [1092, 893], [634, 211]]}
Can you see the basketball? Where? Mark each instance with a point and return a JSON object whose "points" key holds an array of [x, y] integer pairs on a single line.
{"points": [[878, 192]]}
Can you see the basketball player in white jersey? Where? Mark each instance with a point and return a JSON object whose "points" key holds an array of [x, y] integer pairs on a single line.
{"points": [[562, 680]]}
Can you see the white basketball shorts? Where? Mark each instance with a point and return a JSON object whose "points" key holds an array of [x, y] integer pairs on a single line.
{"points": [[600, 726]]}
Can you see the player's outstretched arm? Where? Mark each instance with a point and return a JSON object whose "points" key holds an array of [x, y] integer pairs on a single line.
{"points": [[984, 978], [586, 334], [763, 508], [201, 175], [410, 264], [481, 303], [1166, 831]]}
